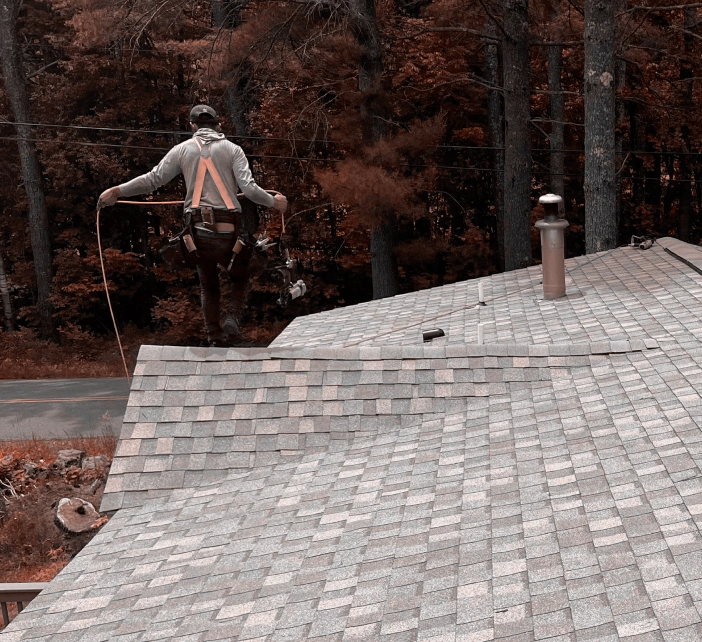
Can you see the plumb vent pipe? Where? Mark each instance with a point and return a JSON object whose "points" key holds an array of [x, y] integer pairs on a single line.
{"points": [[552, 231]]}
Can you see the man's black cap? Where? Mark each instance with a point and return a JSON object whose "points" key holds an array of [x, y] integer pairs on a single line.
{"points": [[204, 111]]}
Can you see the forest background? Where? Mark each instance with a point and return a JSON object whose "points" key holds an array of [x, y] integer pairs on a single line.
{"points": [[383, 123]]}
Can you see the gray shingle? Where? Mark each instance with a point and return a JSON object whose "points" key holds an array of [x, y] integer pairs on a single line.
{"points": [[545, 485]]}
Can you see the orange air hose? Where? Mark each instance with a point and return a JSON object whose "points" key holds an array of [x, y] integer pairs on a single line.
{"points": [[107, 292]]}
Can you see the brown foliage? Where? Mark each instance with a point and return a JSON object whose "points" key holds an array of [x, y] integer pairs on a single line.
{"points": [[80, 354], [32, 547], [369, 190], [288, 73]]}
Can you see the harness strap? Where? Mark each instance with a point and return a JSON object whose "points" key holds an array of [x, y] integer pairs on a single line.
{"points": [[199, 181], [204, 165], [219, 183]]}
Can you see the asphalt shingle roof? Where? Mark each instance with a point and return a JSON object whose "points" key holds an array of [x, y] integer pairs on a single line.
{"points": [[616, 295], [546, 490], [194, 414]]}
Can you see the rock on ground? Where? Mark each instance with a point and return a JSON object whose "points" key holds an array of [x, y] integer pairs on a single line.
{"points": [[98, 461], [69, 457]]}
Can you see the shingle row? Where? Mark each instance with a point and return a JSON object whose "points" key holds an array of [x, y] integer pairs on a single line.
{"points": [[188, 420]]}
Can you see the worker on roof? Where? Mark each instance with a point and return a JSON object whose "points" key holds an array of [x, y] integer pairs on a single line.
{"points": [[212, 167]]}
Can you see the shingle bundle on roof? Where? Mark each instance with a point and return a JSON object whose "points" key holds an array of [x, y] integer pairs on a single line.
{"points": [[542, 490]]}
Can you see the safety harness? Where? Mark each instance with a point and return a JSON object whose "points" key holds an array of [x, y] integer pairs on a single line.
{"points": [[183, 246], [205, 165], [186, 238]]}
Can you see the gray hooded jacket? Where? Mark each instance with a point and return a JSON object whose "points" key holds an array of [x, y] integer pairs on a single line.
{"points": [[228, 158]]}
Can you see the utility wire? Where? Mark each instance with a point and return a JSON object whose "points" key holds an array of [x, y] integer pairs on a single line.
{"points": [[159, 132], [173, 132], [334, 160], [256, 156]]}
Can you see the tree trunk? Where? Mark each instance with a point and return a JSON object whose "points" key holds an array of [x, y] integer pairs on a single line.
{"points": [[557, 139], [239, 98], [637, 163], [16, 90], [686, 210], [226, 13], [687, 72], [5, 295], [620, 108], [373, 117], [672, 192], [497, 133], [517, 238], [382, 261], [652, 184], [600, 183]]}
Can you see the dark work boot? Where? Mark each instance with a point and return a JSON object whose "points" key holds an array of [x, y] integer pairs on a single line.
{"points": [[231, 330], [216, 338]]}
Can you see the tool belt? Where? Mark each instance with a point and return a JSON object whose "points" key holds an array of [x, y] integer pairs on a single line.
{"points": [[208, 216], [179, 251], [182, 250]]}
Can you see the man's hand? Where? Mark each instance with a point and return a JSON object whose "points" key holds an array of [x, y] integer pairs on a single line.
{"points": [[109, 197], [281, 203]]}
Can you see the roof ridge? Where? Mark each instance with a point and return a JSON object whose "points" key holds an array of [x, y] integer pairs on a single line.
{"points": [[372, 353]]}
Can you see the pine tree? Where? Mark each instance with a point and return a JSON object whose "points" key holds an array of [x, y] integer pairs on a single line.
{"points": [[600, 183], [14, 81], [517, 240]]}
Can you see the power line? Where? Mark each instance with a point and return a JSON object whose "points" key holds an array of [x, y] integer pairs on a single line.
{"points": [[336, 160], [257, 156], [81, 142], [173, 132], [160, 132]]}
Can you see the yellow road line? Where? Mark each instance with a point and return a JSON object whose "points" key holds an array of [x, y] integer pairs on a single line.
{"points": [[58, 400]]}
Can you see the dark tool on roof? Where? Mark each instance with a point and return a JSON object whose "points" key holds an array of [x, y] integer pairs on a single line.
{"points": [[429, 335]]}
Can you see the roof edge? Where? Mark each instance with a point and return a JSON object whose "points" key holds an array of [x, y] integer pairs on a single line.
{"points": [[690, 255]]}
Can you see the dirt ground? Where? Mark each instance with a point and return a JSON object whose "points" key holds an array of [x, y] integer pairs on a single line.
{"points": [[33, 548]]}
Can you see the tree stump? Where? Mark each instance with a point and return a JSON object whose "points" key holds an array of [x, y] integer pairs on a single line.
{"points": [[74, 515]]}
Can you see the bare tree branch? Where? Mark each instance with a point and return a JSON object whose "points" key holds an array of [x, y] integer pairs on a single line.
{"points": [[493, 18], [38, 71], [697, 5], [448, 30]]}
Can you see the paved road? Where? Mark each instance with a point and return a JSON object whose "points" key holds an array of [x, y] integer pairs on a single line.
{"points": [[56, 408]]}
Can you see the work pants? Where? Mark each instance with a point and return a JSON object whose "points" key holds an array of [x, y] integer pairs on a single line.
{"points": [[214, 250]]}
